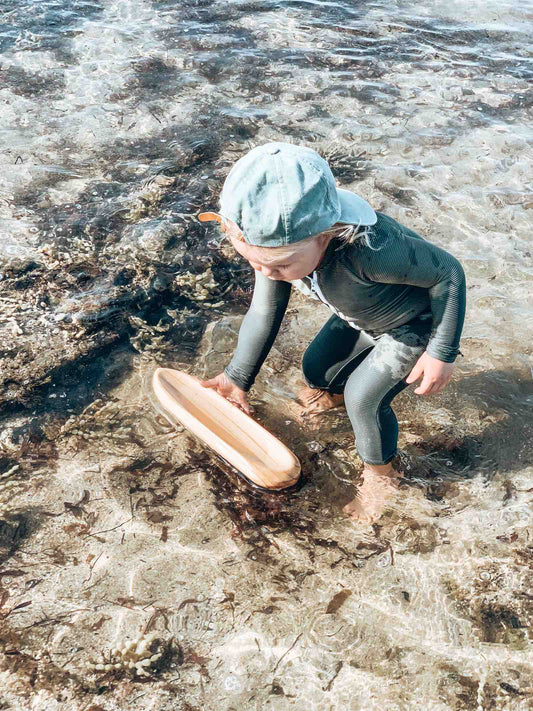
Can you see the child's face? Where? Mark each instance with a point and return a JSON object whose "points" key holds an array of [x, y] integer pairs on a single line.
{"points": [[284, 268]]}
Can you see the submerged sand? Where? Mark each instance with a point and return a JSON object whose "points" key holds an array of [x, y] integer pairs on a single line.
{"points": [[126, 526]]}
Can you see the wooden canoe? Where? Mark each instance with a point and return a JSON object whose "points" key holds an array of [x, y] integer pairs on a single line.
{"points": [[257, 455]]}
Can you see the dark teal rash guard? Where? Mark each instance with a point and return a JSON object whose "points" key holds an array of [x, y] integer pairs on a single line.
{"points": [[373, 288]]}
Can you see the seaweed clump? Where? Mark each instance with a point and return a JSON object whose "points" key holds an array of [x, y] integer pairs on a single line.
{"points": [[257, 516], [142, 656]]}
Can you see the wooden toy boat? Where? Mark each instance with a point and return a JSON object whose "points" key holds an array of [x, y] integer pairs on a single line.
{"points": [[257, 455]]}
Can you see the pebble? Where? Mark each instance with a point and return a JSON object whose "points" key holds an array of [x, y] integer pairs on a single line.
{"points": [[315, 447], [383, 561], [232, 683]]}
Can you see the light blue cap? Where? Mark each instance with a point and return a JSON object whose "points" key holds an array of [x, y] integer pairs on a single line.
{"points": [[280, 193]]}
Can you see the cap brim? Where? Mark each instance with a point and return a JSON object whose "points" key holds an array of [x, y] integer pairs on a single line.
{"points": [[210, 216], [354, 209], [214, 216]]}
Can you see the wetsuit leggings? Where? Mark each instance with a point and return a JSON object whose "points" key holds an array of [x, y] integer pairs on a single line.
{"points": [[371, 371]]}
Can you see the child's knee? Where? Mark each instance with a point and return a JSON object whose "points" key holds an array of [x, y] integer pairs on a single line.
{"points": [[359, 402], [313, 374]]}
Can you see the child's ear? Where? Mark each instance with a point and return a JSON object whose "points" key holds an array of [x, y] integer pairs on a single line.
{"points": [[324, 238], [233, 231]]}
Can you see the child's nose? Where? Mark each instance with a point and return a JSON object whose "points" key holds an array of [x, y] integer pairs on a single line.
{"points": [[267, 271]]}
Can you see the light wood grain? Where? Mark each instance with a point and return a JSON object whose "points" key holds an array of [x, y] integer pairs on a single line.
{"points": [[222, 426]]}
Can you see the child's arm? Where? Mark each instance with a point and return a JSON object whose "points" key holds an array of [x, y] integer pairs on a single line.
{"points": [[258, 330], [407, 258]]}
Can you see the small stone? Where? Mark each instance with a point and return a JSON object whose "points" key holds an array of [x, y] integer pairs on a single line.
{"points": [[315, 447]]}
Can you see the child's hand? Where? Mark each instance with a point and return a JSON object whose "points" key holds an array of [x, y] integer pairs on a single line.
{"points": [[437, 374], [223, 385]]}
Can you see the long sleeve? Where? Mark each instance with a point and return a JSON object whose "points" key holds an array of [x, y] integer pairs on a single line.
{"points": [[258, 330], [407, 258]]}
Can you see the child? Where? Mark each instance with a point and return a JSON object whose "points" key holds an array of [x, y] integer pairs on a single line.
{"points": [[398, 300]]}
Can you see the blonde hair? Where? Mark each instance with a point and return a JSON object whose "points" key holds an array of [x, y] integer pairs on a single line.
{"points": [[344, 233], [350, 234]]}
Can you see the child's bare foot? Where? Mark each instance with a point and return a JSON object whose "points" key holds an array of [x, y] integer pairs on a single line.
{"points": [[316, 400], [379, 485], [312, 402]]}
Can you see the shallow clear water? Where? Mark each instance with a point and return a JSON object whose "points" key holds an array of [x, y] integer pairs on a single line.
{"points": [[119, 123]]}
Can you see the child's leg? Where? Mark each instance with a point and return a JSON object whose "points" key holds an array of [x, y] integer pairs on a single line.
{"points": [[371, 387], [332, 355], [326, 365], [369, 392]]}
